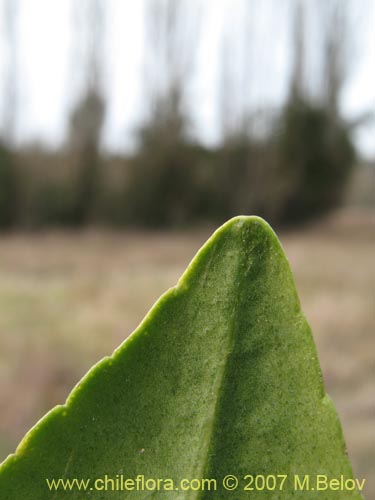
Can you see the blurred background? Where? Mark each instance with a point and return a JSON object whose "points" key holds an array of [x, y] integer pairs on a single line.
{"points": [[130, 130]]}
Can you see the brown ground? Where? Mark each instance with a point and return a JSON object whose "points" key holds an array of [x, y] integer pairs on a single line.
{"points": [[67, 299]]}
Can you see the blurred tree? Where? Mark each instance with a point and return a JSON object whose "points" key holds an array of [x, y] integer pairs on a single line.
{"points": [[85, 130], [245, 168], [87, 117], [334, 62], [238, 73], [7, 188], [160, 185], [297, 90], [7, 169], [171, 38], [315, 156], [314, 147]]}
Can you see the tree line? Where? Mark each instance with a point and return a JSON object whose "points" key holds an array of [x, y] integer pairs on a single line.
{"points": [[289, 164]]}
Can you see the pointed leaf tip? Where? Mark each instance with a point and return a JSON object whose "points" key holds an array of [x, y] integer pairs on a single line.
{"points": [[220, 378]]}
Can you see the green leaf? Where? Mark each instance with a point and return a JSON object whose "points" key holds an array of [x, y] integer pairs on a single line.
{"points": [[220, 378]]}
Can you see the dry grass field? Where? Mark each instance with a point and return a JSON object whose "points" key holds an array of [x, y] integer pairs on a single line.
{"points": [[67, 299]]}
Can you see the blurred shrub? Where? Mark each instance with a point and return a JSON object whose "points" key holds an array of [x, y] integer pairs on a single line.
{"points": [[166, 185], [315, 157], [86, 186], [167, 181], [54, 205], [245, 178], [7, 188]]}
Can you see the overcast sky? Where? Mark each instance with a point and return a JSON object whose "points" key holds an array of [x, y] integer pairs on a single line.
{"points": [[49, 64]]}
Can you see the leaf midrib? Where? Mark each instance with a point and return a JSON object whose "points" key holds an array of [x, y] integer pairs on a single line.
{"points": [[218, 386]]}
